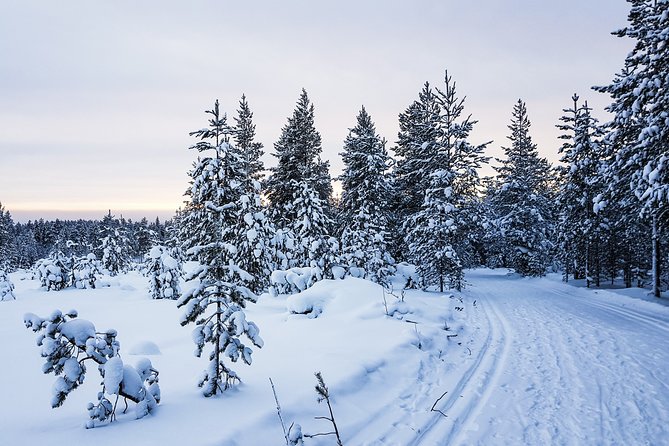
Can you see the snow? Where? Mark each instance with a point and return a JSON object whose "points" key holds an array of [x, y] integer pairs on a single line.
{"points": [[113, 374], [144, 348], [524, 361], [78, 331]]}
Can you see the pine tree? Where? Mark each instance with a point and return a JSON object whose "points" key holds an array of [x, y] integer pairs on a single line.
{"points": [[313, 247], [255, 231], [6, 287], [640, 127], [164, 272], [582, 232], [298, 152], [68, 343], [244, 135], [364, 207], [113, 247], [7, 234], [437, 234], [523, 200], [217, 304], [84, 271], [419, 129]]}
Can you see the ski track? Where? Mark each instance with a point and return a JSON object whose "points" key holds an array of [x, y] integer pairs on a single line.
{"points": [[580, 370], [551, 365]]}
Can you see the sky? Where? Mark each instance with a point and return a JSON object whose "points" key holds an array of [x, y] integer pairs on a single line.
{"points": [[97, 97]]}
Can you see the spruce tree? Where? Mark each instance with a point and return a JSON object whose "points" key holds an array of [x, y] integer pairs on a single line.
{"points": [[582, 232], [217, 304], [640, 132], [523, 201], [364, 207], [437, 235], [298, 152], [256, 232], [113, 248], [7, 235], [417, 136]]}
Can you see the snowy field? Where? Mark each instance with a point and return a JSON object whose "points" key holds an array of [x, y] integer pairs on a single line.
{"points": [[508, 361]]}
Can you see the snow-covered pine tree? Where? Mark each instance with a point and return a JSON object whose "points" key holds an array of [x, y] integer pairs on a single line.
{"points": [[255, 230], [113, 247], [298, 152], [417, 136], [217, 304], [7, 235], [67, 343], [164, 272], [313, 247], [244, 135], [54, 271], [84, 271], [641, 98], [581, 232], [437, 234], [523, 201], [6, 287], [364, 206]]}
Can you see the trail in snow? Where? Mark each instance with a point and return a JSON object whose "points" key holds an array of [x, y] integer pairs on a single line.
{"points": [[574, 369]]}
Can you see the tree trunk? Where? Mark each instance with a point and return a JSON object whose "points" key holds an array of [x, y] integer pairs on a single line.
{"points": [[656, 258]]}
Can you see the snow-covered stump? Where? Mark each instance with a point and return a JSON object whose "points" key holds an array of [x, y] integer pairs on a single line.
{"points": [[6, 287], [164, 272], [67, 343]]}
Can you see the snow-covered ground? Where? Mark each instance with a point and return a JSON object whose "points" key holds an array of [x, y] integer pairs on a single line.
{"points": [[534, 361]]}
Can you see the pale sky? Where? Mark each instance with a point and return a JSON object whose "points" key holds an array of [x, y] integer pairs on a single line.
{"points": [[97, 97]]}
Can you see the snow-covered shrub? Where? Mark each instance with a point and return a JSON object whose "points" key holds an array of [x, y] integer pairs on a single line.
{"points": [[164, 272], [53, 272], [294, 280], [6, 287], [84, 271], [67, 343]]}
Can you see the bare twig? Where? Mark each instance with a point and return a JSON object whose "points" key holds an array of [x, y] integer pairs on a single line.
{"points": [[278, 411], [434, 409]]}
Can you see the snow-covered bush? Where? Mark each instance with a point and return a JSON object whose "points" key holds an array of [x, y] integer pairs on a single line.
{"points": [[6, 287], [294, 280], [53, 272], [84, 271], [164, 271], [67, 343]]}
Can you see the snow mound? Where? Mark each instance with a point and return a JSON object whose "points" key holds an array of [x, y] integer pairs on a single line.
{"points": [[144, 348], [338, 296]]}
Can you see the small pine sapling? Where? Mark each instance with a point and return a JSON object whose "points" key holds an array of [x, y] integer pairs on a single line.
{"points": [[324, 395], [53, 272], [164, 272], [6, 287], [84, 271], [67, 343]]}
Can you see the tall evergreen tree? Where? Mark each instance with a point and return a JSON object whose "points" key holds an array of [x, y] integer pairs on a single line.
{"points": [[581, 231], [298, 152], [244, 135], [217, 304], [437, 233], [256, 232], [640, 133], [418, 132], [7, 246], [363, 210], [523, 201], [113, 245]]}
